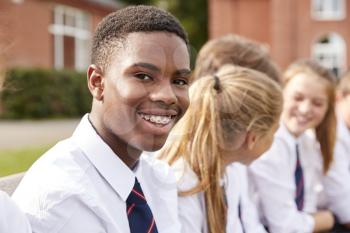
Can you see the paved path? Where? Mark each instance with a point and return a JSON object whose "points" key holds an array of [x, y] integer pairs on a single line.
{"points": [[17, 134]]}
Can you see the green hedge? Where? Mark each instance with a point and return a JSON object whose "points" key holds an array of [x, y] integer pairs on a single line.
{"points": [[39, 93]]}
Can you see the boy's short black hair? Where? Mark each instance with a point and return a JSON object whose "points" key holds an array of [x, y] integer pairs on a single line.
{"points": [[115, 27]]}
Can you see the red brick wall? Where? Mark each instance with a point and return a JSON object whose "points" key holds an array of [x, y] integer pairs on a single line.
{"points": [[283, 32], [310, 30], [27, 37], [286, 25], [24, 33], [230, 16]]}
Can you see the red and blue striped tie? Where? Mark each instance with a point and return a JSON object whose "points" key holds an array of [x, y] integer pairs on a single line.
{"points": [[139, 214], [299, 182]]}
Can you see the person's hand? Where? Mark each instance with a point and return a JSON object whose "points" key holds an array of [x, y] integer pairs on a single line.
{"points": [[324, 220]]}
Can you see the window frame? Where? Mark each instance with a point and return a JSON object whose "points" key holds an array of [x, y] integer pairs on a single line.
{"points": [[334, 55], [328, 15], [79, 30]]}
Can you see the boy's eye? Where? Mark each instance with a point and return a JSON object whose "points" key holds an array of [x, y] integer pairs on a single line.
{"points": [[143, 76], [180, 82]]}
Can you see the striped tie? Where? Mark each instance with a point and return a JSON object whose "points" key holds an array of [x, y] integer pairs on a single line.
{"points": [[139, 214], [299, 182]]}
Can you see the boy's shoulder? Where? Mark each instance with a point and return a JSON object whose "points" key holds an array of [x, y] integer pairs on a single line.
{"points": [[55, 187], [62, 165]]}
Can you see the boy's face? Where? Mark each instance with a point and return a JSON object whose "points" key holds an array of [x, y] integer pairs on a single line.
{"points": [[145, 91]]}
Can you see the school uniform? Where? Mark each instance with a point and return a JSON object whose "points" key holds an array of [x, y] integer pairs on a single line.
{"points": [[81, 185], [337, 180], [192, 208], [11, 218], [274, 177], [249, 217]]}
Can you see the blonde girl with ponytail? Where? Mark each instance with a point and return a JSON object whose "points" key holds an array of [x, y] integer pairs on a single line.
{"points": [[232, 117]]}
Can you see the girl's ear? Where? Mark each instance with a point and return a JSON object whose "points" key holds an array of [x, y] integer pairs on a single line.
{"points": [[95, 81], [251, 139]]}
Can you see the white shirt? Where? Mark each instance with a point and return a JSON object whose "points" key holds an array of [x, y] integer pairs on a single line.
{"points": [[192, 210], [273, 176], [249, 212], [80, 185], [337, 180], [12, 220]]}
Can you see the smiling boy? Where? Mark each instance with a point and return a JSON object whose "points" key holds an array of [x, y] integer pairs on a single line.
{"points": [[95, 180]]}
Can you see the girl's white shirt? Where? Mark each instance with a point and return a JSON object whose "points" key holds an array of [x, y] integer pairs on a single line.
{"points": [[192, 209], [12, 220], [274, 181], [337, 180]]}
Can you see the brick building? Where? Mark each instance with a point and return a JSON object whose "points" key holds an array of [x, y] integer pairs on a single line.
{"points": [[49, 33], [291, 29]]}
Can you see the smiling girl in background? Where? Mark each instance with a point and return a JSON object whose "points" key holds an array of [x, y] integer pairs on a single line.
{"points": [[288, 175]]}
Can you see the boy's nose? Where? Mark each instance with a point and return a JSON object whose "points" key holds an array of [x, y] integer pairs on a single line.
{"points": [[164, 93]]}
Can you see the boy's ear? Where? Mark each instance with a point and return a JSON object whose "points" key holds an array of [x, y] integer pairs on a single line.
{"points": [[251, 139], [95, 80]]}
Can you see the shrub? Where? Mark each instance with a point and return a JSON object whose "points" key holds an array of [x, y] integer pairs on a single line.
{"points": [[39, 93]]}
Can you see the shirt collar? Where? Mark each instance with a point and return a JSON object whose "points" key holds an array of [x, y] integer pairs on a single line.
{"points": [[284, 132], [106, 162]]}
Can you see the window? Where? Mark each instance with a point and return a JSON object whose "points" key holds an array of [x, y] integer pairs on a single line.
{"points": [[71, 37], [330, 51], [328, 9]]}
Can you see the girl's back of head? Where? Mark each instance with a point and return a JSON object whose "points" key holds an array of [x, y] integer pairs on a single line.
{"points": [[234, 50], [318, 76], [233, 101]]}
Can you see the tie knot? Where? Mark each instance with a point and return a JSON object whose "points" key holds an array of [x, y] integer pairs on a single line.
{"points": [[136, 195]]}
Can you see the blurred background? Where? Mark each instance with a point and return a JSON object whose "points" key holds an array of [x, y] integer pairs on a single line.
{"points": [[45, 46]]}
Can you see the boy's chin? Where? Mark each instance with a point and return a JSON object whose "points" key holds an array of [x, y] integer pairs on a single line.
{"points": [[151, 145]]}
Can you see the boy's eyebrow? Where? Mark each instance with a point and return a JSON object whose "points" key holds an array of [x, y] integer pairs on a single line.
{"points": [[147, 65], [156, 69], [183, 72]]}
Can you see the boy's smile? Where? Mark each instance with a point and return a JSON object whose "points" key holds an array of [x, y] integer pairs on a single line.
{"points": [[144, 92]]}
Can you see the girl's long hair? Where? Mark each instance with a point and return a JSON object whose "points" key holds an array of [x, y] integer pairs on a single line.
{"points": [[326, 130], [233, 101]]}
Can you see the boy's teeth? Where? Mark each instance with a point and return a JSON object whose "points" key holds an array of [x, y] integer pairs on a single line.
{"points": [[156, 119]]}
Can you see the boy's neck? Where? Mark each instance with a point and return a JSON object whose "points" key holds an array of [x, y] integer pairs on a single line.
{"points": [[130, 156], [126, 153]]}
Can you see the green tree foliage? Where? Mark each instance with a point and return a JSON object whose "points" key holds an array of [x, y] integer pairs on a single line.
{"points": [[41, 93], [193, 15]]}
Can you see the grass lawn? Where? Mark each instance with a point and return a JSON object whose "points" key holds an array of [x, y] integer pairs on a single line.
{"points": [[19, 160]]}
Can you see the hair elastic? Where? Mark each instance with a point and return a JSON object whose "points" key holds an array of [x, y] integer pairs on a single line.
{"points": [[217, 85]]}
